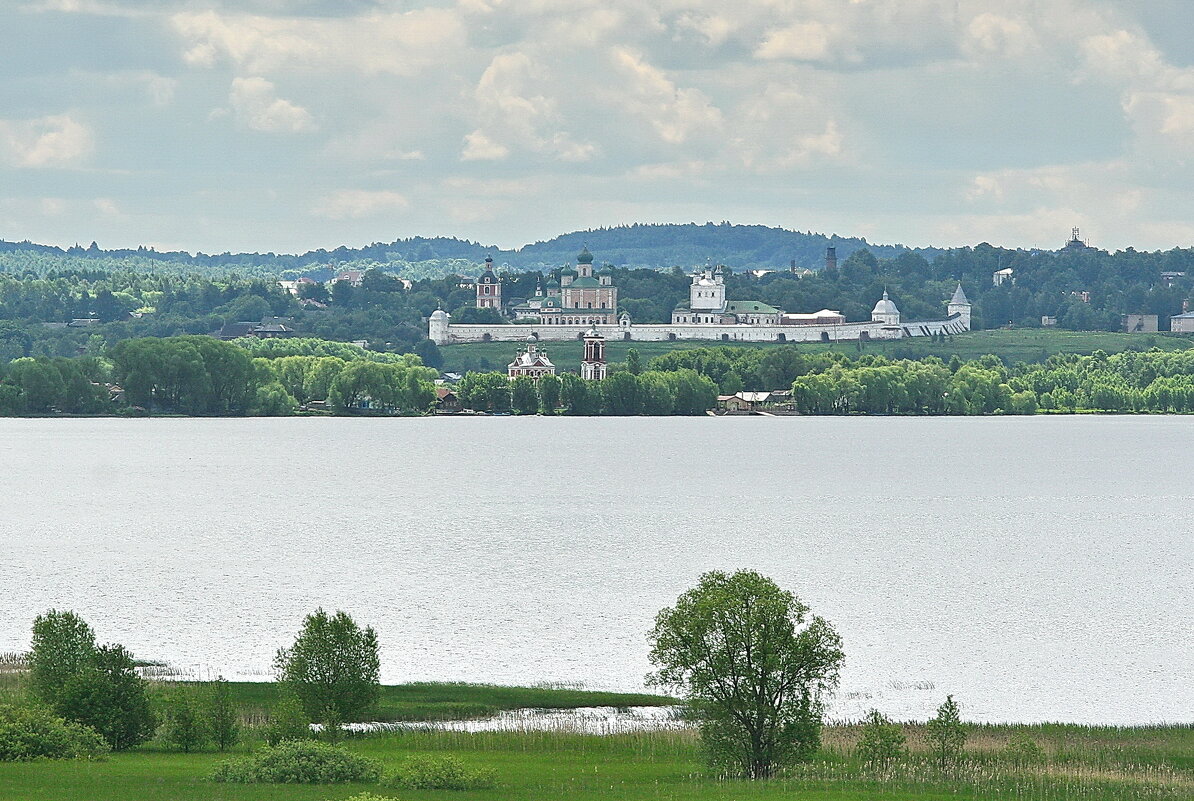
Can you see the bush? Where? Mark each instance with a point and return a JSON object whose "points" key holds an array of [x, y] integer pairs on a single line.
{"points": [[1023, 750], [882, 741], [185, 729], [34, 733], [369, 797], [299, 762], [288, 722], [440, 773]]}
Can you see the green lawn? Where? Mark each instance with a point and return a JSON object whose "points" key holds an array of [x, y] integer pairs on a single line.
{"points": [[1018, 345], [1083, 763]]}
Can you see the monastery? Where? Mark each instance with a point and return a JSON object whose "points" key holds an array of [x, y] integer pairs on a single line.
{"points": [[584, 302]]}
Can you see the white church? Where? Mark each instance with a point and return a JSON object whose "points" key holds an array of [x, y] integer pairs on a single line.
{"points": [[709, 315]]}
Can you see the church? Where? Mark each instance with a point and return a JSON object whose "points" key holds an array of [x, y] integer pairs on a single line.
{"points": [[580, 297]]}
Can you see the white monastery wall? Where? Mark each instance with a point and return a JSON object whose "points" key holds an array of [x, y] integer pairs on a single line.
{"points": [[451, 334]]}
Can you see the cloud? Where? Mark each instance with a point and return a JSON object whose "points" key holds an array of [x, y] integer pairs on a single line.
{"points": [[256, 105], [479, 147], [801, 41], [675, 113], [54, 141], [399, 43], [346, 204]]}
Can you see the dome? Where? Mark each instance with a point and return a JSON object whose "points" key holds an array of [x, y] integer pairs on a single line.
{"points": [[568, 271], [885, 306], [553, 284], [606, 270], [592, 334], [584, 257], [440, 314]]}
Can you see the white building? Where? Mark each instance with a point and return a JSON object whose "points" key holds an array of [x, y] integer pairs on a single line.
{"points": [[1000, 276], [531, 363], [1182, 323], [885, 323]]}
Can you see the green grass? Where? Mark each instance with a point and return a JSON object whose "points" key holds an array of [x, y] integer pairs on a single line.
{"points": [[1083, 764], [446, 701], [1017, 345]]}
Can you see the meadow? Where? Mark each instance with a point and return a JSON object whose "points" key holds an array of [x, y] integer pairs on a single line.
{"points": [[1080, 764], [1012, 345]]}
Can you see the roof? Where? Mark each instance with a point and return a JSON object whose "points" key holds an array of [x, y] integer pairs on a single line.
{"points": [[959, 295], [584, 257], [753, 397], [1186, 316], [746, 306], [885, 306], [443, 392], [586, 283]]}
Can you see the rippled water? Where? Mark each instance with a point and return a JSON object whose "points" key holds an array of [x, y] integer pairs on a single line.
{"points": [[1036, 568]]}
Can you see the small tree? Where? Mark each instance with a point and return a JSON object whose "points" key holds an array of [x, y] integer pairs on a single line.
{"points": [[755, 666], [333, 725], [110, 697], [634, 364], [185, 727], [288, 721], [63, 646], [221, 715], [1022, 750], [947, 734], [882, 741], [524, 395], [549, 394], [333, 663]]}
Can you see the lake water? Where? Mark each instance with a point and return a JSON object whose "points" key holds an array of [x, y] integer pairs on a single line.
{"points": [[1036, 568]]}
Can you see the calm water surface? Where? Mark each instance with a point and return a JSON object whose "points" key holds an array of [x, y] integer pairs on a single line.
{"points": [[1035, 568]]}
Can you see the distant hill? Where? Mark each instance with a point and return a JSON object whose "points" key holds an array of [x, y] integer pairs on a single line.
{"points": [[744, 247]]}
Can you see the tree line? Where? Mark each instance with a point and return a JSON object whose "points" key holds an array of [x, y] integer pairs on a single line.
{"points": [[200, 375]]}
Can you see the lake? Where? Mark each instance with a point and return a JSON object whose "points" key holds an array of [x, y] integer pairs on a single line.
{"points": [[1036, 568]]}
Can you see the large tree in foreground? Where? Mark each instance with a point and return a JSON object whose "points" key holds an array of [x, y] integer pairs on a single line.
{"points": [[755, 666], [333, 666]]}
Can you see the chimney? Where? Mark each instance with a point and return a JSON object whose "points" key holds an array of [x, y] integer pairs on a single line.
{"points": [[1185, 306], [793, 265], [831, 258]]}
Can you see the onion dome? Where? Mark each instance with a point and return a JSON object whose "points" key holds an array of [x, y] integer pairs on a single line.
{"points": [[584, 257], [553, 284], [568, 271]]}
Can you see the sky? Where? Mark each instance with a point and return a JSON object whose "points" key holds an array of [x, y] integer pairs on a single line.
{"points": [[288, 125]]}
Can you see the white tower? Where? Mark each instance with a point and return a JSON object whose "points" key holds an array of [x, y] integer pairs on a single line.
{"points": [[708, 292], [959, 304], [593, 366], [885, 311], [437, 327]]}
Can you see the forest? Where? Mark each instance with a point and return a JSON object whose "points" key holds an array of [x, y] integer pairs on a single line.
{"points": [[67, 305]]}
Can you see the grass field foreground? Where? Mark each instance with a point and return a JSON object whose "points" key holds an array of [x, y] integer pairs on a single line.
{"points": [[1081, 764]]}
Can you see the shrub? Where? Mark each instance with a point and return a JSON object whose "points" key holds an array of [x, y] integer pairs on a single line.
{"points": [[1023, 750], [111, 698], [882, 741], [288, 722], [185, 727], [298, 762], [221, 715], [369, 797], [440, 773], [34, 733]]}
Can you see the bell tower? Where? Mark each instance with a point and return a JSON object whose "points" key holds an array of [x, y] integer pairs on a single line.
{"points": [[489, 288], [593, 367]]}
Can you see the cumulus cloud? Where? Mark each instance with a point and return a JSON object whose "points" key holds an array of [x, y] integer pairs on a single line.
{"points": [[646, 91], [346, 204], [54, 141], [256, 105]]}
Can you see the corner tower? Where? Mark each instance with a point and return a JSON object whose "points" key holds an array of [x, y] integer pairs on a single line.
{"points": [[959, 304]]}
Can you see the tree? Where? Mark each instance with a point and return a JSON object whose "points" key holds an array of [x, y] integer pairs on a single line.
{"points": [[620, 394], [110, 697], [333, 663], [755, 666], [185, 727], [429, 352], [882, 741], [288, 721], [549, 394], [524, 396], [946, 733], [63, 646], [221, 715], [634, 364]]}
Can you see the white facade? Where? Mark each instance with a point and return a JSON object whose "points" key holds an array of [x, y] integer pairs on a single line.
{"points": [[441, 331], [707, 292]]}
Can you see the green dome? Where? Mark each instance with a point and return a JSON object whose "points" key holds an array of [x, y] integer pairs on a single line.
{"points": [[553, 284], [568, 271], [606, 270], [584, 257]]}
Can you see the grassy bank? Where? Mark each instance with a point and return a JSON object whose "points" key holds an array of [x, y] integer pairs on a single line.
{"points": [[1080, 763], [446, 701], [1018, 345]]}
